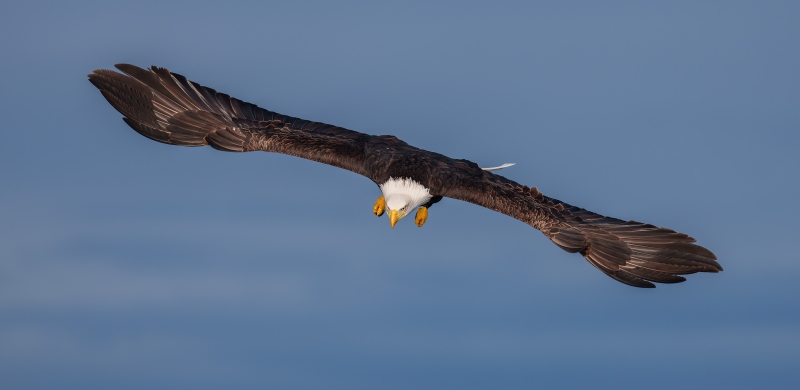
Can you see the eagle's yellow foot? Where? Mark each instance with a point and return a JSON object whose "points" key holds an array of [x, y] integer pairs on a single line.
{"points": [[380, 206], [422, 216]]}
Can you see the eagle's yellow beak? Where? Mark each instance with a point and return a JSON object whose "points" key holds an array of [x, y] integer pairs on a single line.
{"points": [[393, 217]]}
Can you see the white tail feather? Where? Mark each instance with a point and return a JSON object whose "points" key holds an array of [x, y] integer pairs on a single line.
{"points": [[506, 165]]}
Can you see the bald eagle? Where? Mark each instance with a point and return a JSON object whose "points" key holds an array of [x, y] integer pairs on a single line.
{"points": [[168, 108]]}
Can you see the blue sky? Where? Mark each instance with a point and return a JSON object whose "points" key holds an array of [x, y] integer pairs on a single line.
{"points": [[125, 263]]}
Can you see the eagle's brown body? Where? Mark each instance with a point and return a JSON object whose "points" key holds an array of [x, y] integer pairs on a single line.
{"points": [[168, 108]]}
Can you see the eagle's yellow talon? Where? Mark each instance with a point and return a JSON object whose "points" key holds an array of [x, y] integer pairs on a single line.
{"points": [[422, 216], [380, 206]]}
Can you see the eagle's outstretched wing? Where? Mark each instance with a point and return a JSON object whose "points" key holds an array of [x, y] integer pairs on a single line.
{"points": [[168, 108], [631, 252]]}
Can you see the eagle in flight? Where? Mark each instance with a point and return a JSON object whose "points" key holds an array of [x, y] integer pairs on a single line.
{"points": [[168, 108]]}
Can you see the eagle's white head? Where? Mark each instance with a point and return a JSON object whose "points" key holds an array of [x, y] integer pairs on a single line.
{"points": [[403, 196]]}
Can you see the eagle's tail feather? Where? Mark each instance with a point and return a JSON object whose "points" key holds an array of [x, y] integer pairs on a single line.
{"points": [[506, 165]]}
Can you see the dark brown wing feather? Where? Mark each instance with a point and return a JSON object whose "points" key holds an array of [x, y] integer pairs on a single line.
{"points": [[631, 252], [168, 108]]}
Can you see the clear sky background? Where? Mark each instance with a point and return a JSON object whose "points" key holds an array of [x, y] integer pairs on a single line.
{"points": [[125, 263]]}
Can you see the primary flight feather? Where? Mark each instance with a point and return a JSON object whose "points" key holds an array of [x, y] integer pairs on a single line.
{"points": [[168, 108]]}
